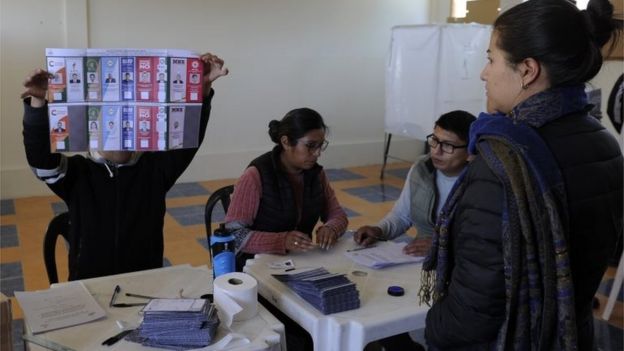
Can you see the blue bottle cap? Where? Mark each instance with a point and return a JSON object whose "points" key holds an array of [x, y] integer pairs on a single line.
{"points": [[396, 291]]}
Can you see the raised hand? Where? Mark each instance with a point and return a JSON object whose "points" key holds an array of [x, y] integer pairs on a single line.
{"points": [[36, 86], [213, 69]]}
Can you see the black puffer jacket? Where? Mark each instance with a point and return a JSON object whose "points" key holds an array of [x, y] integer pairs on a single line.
{"points": [[590, 160]]}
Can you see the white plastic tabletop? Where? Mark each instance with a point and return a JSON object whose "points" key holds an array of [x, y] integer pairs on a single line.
{"points": [[263, 332], [380, 315]]}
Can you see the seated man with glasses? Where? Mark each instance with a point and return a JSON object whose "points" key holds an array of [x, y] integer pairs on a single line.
{"points": [[426, 188], [283, 193], [428, 183]]}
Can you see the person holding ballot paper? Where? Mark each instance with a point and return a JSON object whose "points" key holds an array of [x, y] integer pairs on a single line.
{"points": [[428, 183], [116, 199]]}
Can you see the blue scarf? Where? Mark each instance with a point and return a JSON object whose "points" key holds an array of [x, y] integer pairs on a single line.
{"points": [[538, 284]]}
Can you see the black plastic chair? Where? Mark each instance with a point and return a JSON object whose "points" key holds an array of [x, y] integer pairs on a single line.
{"points": [[59, 225], [221, 195]]}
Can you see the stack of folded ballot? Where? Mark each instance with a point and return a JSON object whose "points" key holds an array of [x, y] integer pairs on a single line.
{"points": [[178, 324], [328, 292]]}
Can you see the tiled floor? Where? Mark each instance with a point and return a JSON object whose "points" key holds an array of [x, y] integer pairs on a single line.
{"points": [[365, 198]]}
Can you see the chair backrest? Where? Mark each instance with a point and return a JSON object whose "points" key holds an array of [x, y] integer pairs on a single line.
{"points": [[221, 195], [59, 225]]}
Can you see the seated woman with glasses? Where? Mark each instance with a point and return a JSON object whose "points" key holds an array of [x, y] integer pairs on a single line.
{"points": [[282, 194], [427, 185]]}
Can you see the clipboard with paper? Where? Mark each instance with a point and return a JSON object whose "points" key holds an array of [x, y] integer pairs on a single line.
{"points": [[382, 255]]}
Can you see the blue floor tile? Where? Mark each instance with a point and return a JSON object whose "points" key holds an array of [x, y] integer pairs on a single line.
{"points": [[7, 207], [376, 193], [399, 172], [11, 278], [335, 175], [187, 189], [8, 236], [218, 214], [59, 207], [350, 213], [607, 337], [188, 215], [18, 331], [204, 242], [605, 289]]}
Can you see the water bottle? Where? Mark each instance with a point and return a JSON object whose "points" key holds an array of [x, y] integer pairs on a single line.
{"points": [[223, 251]]}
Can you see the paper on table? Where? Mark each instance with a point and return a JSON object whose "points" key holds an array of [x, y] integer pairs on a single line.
{"points": [[383, 255], [175, 305], [228, 308], [60, 307]]}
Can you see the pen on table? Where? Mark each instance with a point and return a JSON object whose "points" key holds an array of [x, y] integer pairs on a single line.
{"points": [[128, 304], [113, 339], [141, 296], [378, 238], [361, 248]]}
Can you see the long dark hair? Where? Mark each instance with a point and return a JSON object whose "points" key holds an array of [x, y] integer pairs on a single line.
{"points": [[563, 39], [296, 124]]}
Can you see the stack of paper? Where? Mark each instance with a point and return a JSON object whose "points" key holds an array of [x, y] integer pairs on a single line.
{"points": [[329, 293], [178, 324], [382, 255], [64, 306]]}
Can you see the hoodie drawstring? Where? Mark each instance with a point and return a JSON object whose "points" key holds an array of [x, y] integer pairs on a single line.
{"points": [[110, 173]]}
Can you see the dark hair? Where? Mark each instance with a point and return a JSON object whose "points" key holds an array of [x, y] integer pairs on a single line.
{"points": [[458, 122], [563, 39], [295, 125]]}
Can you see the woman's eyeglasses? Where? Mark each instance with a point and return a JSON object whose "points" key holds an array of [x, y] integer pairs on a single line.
{"points": [[433, 142], [314, 146]]}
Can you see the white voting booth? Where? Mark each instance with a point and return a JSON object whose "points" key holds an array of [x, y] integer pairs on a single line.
{"points": [[431, 70]]}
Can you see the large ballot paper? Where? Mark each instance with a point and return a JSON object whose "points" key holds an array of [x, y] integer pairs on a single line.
{"points": [[124, 99]]}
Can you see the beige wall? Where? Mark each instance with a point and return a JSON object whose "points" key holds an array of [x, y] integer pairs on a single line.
{"points": [[325, 54]]}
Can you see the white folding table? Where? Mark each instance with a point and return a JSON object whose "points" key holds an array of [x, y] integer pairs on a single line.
{"points": [[380, 315], [262, 332]]}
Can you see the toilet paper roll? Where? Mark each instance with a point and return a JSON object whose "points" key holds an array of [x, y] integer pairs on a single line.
{"points": [[236, 297]]}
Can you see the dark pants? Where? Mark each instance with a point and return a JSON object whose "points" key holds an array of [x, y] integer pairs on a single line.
{"points": [[401, 342], [297, 338]]}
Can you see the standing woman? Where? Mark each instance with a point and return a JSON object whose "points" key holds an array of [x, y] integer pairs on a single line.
{"points": [[524, 238], [283, 193]]}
